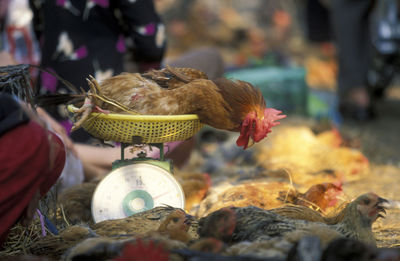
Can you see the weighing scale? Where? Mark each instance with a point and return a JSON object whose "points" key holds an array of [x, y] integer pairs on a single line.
{"points": [[141, 183]]}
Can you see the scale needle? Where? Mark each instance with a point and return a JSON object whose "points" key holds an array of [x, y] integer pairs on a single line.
{"points": [[162, 194]]}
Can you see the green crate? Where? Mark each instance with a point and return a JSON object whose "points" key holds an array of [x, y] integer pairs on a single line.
{"points": [[283, 88]]}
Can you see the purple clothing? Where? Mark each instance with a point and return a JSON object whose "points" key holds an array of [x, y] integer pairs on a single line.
{"points": [[79, 38]]}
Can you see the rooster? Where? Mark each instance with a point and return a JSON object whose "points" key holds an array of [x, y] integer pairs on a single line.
{"points": [[223, 104], [253, 223]]}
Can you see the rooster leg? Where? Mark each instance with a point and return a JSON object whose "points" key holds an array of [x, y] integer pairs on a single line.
{"points": [[94, 85], [83, 118], [87, 104], [84, 111]]}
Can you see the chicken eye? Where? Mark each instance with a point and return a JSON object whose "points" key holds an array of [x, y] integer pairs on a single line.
{"points": [[367, 201], [175, 219]]}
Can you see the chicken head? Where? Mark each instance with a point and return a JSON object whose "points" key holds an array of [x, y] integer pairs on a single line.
{"points": [[370, 206], [256, 126]]}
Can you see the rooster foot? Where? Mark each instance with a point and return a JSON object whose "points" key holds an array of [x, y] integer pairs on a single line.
{"points": [[84, 111], [94, 85]]}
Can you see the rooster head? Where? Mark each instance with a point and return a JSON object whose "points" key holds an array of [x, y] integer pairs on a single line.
{"points": [[256, 126]]}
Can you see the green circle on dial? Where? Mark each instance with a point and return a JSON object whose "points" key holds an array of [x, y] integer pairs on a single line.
{"points": [[137, 201]]}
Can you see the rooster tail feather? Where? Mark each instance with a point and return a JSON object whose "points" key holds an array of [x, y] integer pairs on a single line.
{"points": [[57, 99], [69, 85]]}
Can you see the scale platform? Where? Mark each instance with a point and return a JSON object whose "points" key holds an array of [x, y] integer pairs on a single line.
{"points": [[139, 184]]}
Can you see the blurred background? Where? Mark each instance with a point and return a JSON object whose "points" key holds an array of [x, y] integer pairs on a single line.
{"points": [[287, 48], [307, 57]]}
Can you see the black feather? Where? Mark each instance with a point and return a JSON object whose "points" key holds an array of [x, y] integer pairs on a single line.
{"points": [[57, 99]]}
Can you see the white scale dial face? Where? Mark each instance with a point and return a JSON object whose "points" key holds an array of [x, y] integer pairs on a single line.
{"points": [[135, 188]]}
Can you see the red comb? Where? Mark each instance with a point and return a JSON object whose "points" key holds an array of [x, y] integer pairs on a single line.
{"points": [[207, 179]]}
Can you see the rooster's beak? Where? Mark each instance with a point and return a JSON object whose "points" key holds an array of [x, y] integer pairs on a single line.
{"points": [[250, 143]]}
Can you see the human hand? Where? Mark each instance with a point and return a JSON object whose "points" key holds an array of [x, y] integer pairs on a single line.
{"points": [[31, 209], [6, 59], [58, 129]]}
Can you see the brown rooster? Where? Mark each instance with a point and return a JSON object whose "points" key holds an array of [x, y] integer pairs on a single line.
{"points": [[222, 103]]}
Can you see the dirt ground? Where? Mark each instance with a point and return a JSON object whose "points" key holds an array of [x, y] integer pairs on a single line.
{"points": [[380, 142]]}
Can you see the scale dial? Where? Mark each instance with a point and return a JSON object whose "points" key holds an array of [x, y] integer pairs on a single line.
{"points": [[135, 188]]}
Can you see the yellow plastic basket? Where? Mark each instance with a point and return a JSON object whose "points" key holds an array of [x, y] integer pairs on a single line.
{"points": [[151, 128]]}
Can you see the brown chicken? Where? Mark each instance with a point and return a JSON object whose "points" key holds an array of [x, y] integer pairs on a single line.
{"points": [[268, 195], [261, 194], [222, 103]]}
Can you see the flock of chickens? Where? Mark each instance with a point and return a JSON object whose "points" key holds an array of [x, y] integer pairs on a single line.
{"points": [[281, 200]]}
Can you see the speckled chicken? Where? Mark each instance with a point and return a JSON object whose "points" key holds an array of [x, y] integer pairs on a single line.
{"points": [[172, 233], [253, 223], [309, 214], [140, 223]]}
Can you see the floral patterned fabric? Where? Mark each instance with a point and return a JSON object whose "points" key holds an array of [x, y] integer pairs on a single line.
{"points": [[88, 37]]}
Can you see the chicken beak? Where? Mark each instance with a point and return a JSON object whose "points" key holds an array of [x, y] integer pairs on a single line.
{"points": [[250, 143], [382, 200], [188, 219], [382, 208]]}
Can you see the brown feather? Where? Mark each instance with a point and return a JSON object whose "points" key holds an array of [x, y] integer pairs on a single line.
{"points": [[242, 98], [222, 103], [172, 78]]}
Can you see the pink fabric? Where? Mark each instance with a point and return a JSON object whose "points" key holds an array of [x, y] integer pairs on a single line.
{"points": [[168, 147]]}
